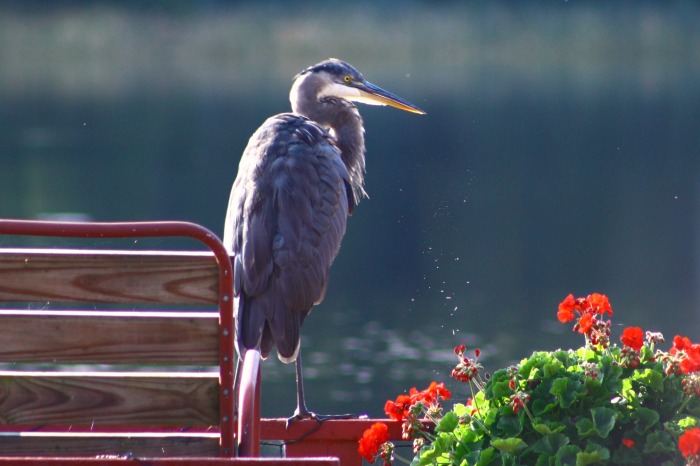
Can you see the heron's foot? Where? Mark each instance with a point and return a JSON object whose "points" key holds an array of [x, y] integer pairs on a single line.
{"points": [[306, 414], [299, 415]]}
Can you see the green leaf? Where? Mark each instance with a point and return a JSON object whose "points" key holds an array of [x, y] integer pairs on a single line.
{"points": [[441, 445], [650, 378], [498, 385], [646, 419], [550, 444], [624, 455], [541, 407], [500, 390], [527, 364], [594, 454], [584, 353], [510, 425], [420, 460], [487, 457], [468, 435], [448, 423], [510, 446], [547, 428], [490, 418], [431, 452], [567, 455], [601, 423], [660, 442], [553, 368], [594, 385], [687, 422], [461, 409], [567, 391], [604, 420], [563, 356], [610, 374]]}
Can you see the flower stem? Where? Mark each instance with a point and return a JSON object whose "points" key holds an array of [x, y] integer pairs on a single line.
{"points": [[400, 458], [682, 407]]}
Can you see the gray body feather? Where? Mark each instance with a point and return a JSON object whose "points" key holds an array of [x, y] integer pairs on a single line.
{"points": [[286, 219]]}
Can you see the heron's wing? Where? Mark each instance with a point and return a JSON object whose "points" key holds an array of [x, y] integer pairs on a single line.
{"points": [[286, 219]]}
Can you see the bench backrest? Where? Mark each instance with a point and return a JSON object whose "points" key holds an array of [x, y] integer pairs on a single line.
{"points": [[137, 380]]}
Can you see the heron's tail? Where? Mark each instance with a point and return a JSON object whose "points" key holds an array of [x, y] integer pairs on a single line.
{"points": [[249, 324], [264, 322], [284, 330]]}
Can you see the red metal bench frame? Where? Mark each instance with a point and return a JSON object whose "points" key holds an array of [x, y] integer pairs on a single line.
{"points": [[336, 438], [155, 230]]}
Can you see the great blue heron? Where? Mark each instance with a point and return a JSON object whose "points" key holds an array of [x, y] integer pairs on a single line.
{"points": [[300, 177]]}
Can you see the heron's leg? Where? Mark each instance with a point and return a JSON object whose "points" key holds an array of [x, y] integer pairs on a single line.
{"points": [[302, 411]]}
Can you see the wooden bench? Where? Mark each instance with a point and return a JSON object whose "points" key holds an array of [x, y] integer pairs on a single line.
{"points": [[149, 381]]}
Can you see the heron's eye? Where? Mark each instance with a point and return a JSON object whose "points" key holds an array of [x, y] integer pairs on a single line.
{"points": [[347, 79]]}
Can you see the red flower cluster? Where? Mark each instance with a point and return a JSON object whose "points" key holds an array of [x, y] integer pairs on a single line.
{"points": [[400, 409], [467, 368], [589, 309], [689, 445], [688, 354], [595, 303], [372, 439], [518, 400], [628, 442], [406, 409], [633, 337]]}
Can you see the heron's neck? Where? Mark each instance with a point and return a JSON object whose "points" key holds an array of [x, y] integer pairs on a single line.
{"points": [[349, 134], [341, 117]]}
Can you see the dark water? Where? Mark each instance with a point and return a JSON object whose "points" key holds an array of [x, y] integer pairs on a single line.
{"points": [[482, 216]]}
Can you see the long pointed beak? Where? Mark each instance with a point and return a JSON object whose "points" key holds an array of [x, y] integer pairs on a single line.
{"points": [[375, 95]]}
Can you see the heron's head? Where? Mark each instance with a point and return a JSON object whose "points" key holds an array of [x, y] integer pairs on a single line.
{"points": [[339, 79]]}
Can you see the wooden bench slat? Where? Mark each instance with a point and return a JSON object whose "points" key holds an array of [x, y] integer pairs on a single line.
{"points": [[64, 337], [192, 461], [116, 446], [107, 440], [107, 276], [72, 358], [120, 398]]}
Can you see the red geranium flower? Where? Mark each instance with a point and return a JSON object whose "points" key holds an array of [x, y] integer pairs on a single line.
{"points": [[633, 337], [689, 442], [691, 361], [599, 303], [596, 330], [398, 410], [628, 442], [372, 439], [432, 393], [680, 343], [585, 323], [566, 309]]}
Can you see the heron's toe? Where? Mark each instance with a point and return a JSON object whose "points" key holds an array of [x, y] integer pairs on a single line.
{"points": [[300, 414]]}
